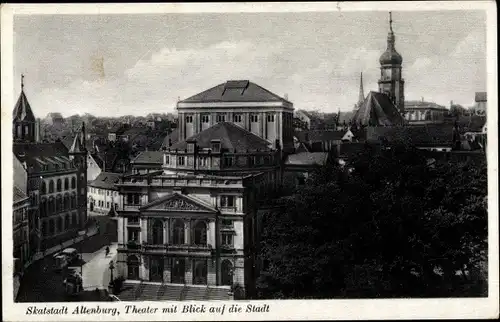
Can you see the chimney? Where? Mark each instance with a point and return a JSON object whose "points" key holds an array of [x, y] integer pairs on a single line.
{"points": [[422, 98], [285, 96]]}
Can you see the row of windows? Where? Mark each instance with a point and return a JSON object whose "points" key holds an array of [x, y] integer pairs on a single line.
{"points": [[59, 225], [100, 203], [226, 201], [237, 118], [228, 161], [103, 192], [178, 237], [57, 205], [58, 185]]}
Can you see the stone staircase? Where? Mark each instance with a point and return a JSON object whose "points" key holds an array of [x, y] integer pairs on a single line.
{"points": [[128, 292], [139, 290], [170, 292], [196, 294], [150, 292], [219, 294]]}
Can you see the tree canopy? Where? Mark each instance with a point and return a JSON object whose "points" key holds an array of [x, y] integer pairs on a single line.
{"points": [[387, 224]]}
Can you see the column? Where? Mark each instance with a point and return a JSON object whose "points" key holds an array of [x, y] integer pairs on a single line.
{"points": [[145, 266], [211, 233], [144, 230], [165, 231], [262, 122], [211, 273], [167, 269], [187, 231]]}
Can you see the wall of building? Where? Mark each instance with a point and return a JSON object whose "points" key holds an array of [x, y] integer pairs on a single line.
{"points": [[101, 200], [93, 169]]}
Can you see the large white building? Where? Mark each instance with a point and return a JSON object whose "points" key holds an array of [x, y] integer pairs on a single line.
{"points": [[195, 222], [103, 193]]}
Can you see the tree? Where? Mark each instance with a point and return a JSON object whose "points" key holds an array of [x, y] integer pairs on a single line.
{"points": [[385, 225]]}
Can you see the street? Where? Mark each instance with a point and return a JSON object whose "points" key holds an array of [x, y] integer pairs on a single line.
{"points": [[46, 285]]}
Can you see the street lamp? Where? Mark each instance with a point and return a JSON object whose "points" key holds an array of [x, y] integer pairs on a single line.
{"points": [[111, 268]]}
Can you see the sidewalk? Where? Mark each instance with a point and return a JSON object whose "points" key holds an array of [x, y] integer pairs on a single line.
{"points": [[96, 270]]}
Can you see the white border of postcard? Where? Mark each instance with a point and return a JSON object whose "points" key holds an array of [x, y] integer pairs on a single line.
{"points": [[469, 308]]}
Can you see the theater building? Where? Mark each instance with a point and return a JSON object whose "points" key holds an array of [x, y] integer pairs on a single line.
{"points": [[194, 222]]}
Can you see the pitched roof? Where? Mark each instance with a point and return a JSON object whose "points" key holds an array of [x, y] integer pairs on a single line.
{"points": [[480, 96], [106, 180], [307, 158], [38, 155], [77, 146], [235, 91], [319, 135], [420, 135], [231, 136], [18, 194], [173, 137], [377, 109], [149, 157], [22, 110]]}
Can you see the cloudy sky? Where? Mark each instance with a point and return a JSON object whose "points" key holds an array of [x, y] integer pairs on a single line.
{"points": [[137, 64]]}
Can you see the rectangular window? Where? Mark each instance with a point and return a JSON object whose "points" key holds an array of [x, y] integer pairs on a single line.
{"points": [[226, 222], [237, 118], [227, 239], [228, 161], [270, 117], [181, 161], [189, 119], [221, 117], [167, 159], [251, 161], [254, 118], [203, 161], [227, 201], [216, 147], [133, 235], [107, 204], [205, 118]]}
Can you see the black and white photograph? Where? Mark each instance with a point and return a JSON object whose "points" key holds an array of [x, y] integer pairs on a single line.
{"points": [[198, 157]]}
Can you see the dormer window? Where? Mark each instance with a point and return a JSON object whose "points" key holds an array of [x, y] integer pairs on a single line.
{"points": [[215, 144], [221, 117], [191, 145]]}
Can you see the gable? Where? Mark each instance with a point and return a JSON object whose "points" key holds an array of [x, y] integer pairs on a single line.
{"points": [[178, 202]]}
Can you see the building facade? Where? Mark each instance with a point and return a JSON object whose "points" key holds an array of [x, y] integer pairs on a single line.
{"points": [[421, 112], [243, 103], [194, 222], [103, 194], [20, 219], [56, 182]]}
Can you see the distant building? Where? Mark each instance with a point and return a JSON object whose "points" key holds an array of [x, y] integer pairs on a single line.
{"points": [[20, 223], [93, 168], [481, 103], [421, 112], [298, 166], [147, 162], [103, 193], [378, 110]]}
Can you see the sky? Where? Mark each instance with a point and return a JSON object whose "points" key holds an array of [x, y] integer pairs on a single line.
{"points": [[110, 65]]}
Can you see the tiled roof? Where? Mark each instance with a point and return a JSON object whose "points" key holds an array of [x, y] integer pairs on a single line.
{"points": [[480, 96], [19, 195], [423, 104], [231, 136], [172, 137], [106, 180], [235, 91], [319, 135], [31, 150], [149, 157], [420, 135], [22, 110], [307, 158], [377, 109]]}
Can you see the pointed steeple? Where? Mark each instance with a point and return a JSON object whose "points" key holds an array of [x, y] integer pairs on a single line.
{"points": [[76, 147], [391, 56], [22, 109], [361, 98]]}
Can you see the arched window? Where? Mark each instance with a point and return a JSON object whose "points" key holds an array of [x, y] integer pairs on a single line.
{"points": [[200, 272], [133, 267], [44, 228], [59, 203], [226, 272], [43, 208], [44, 187], [66, 184], [51, 186], [66, 201], [59, 225], [66, 222], [157, 232], [52, 227], [59, 185], [73, 183], [200, 233], [178, 232]]}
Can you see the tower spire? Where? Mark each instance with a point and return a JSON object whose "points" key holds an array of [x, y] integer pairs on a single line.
{"points": [[22, 82], [361, 91], [390, 20]]}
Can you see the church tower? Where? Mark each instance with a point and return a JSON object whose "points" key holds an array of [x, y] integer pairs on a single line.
{"points": [[24, 122], [361, 97], [78, 153], [391, 81]]}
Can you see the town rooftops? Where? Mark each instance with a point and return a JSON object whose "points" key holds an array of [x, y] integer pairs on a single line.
{"points": [[149, 157], [235, 91], [480, 96], [307, 158], [423, 105], [106, 180], [231, 136], [171, 138], [319, 135], [43, 156], [377, 109], [420, 135]]}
